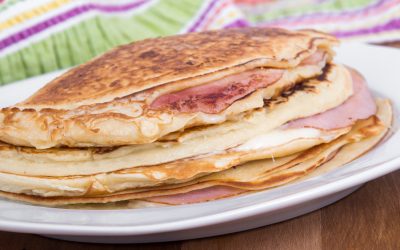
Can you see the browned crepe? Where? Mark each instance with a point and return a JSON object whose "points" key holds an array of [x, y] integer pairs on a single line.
{"points": [[149, 63]]}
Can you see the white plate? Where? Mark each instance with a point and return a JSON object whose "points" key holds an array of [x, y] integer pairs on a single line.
{"points": [[381, 66]]}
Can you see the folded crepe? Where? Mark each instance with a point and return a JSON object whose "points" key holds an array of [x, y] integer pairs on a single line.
{"points": [[154, 87], [262, 107]]}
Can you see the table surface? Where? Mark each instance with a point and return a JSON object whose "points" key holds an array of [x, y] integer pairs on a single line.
{"points": [[367, 219]]}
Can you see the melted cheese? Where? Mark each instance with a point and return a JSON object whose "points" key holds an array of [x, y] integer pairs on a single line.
{"points": [[282, 136]]}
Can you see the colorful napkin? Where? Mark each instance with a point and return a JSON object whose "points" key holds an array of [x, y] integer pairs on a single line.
{"points": [[374, 21]]}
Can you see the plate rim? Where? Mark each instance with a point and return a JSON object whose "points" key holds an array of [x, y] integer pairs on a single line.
{"points": [[234, 214]]}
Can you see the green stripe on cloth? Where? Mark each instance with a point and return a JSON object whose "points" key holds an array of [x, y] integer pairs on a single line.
{"points": [[59, 45], [328, 6], [15, 62], [81, 51], [91, 37], [28, 59]]}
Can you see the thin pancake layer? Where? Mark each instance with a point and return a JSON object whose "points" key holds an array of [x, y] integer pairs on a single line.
{"points": [[121, 89], [254, 175], [276, 143], [327, 94]]}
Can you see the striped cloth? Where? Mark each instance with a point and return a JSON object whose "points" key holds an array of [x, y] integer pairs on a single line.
{"points": [[374, 21], [41, 36], [45, 35]]}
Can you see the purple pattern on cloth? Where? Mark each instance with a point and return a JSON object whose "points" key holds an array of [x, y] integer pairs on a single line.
{"points": [[17, 37], [392, 25], [202, 16], [237, 24], [344, 13]]}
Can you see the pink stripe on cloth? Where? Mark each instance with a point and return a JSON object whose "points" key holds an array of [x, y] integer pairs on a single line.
{"points": [[19, 36], [345, 16], [238, 22], [389, 26]]}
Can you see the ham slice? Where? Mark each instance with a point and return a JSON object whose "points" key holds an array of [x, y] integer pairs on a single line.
{"points": [[360, 105], [214, 97], [314, 58], [205, 194]]}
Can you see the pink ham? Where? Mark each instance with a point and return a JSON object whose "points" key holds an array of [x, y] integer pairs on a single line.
{"points": [[360, 105], [201, 195], [314, 58], [216, 96]]}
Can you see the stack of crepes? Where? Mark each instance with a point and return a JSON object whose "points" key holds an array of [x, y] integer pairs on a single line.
{"points": [[189, 118]]}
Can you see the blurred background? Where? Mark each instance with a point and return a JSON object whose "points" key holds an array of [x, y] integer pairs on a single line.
{"points": [[40, 36]]}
